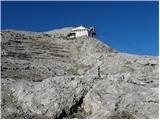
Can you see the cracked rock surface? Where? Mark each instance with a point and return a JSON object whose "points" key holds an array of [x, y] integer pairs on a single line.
{"points": [[115, 94], [46, 75]]}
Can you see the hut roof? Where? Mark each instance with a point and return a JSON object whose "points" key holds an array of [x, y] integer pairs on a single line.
{"points": [[79, 28]]}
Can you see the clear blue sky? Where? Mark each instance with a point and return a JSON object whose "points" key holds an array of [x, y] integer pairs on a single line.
{"points": [[130, 27]]}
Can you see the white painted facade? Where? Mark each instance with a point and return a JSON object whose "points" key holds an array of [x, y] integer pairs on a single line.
{"points": [[80, 31]]}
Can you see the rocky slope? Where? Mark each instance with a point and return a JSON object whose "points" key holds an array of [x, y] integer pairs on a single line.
{"points": [[46, 75]]}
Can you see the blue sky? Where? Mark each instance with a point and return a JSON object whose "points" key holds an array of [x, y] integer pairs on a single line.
{"points": [[130, 27]]}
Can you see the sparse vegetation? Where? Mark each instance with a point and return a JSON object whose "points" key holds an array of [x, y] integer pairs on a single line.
{"points": [[121, 115]]}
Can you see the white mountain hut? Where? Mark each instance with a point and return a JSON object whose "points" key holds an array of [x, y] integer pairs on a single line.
{"points": [[81, 31]]}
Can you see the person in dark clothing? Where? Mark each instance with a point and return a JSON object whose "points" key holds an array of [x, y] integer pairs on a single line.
{"points": [[99, 74]]}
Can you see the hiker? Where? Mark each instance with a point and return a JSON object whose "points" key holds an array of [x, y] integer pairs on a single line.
{"points": [[99, 63], [99, 74]]}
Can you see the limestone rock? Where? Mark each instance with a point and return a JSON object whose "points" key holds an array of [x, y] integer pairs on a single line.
{"points": [[123, 96], [46, 75]]}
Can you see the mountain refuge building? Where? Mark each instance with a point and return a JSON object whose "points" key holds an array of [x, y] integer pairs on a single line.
{"points": [[81, 31]]}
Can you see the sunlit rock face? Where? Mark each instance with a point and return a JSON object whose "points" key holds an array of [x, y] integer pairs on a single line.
{"points": [[47, 75]]}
